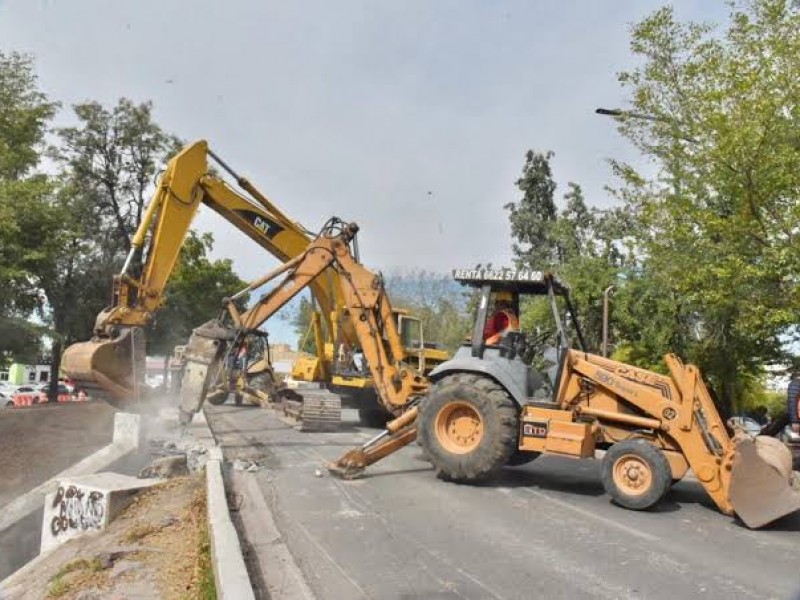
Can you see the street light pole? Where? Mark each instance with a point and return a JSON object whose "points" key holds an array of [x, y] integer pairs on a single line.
{"points": [[617, 112], [629, 114]]}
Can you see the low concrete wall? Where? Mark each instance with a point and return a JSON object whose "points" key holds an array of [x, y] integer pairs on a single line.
{"points": [[86, 504]]}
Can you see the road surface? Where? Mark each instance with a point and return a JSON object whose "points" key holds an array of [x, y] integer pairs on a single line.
{"points": [[543, 530], [39, 441]]}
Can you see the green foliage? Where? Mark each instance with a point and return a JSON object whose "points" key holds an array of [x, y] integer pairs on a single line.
{"points": [[718, 220], [113, 157], [702, 255], [24, 112], [194, 294], [301, 321], [588, 248], [438, 301], [64, 237]]}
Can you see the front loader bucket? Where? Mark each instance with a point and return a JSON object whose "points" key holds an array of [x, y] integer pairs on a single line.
{"points": [[763, 486], [102, 367]]}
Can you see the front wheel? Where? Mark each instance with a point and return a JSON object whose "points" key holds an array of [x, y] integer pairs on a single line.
{"points": [[468, 427], [635, 474]]}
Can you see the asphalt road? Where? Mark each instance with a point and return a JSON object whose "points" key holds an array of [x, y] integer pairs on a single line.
{"points": [[544, 530], [39, 441]]}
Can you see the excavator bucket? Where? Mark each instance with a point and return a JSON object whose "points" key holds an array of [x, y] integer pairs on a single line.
{"points": [[103, 367], [763, 486]]}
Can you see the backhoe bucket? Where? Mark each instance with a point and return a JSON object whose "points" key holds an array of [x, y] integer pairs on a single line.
{"points": [[103, 367], [763, 486]]}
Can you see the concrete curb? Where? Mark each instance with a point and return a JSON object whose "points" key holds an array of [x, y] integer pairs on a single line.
{"points": [[230, 572]]}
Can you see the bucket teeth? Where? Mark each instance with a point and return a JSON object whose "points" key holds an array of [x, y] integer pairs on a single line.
{"points": [[760, 490], [350, 466]]}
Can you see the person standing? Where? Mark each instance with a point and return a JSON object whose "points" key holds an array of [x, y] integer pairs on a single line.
{"points": [[792, 398]]}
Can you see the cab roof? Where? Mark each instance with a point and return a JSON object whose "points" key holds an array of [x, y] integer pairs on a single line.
{"points": [[521, 281]]}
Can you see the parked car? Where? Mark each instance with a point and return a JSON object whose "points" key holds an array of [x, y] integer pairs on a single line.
{"points": [[7, 389], [28, 395]]}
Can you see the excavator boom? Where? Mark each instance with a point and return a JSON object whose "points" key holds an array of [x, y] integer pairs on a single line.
{"points": [[108, 363]]}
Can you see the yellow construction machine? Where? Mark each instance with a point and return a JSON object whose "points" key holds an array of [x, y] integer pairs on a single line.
{"points": [[366, 309], [489, 406], [111, 363]]}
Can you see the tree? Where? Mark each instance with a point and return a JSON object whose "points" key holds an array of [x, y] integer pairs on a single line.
{"points": [[437, 300], [301, 321], [194, 293], [24, 114], [534, 216], [587, 248], [718, 220], [113, 156]]}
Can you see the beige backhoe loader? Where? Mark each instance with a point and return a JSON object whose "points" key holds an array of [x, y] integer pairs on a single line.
{"points": [[489, 407]]}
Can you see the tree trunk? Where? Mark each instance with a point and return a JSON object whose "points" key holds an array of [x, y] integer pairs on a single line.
{"points": [[55, 367], [165, 384]]}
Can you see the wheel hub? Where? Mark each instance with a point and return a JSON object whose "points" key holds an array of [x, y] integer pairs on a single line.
{"points": [[632, 475], [459, 427]]}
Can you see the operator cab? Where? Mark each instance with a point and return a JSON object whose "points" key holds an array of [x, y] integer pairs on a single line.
{"points": [[497, 338]]}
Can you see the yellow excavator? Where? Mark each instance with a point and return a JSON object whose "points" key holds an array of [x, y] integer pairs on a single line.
{"points": [[490, 406], [110, 364], [366, 310]]}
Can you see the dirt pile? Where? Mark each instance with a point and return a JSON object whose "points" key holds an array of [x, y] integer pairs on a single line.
{"points": [[157, 548]]}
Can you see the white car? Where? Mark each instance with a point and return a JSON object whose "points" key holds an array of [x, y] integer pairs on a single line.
{"points": [[7, 388]]}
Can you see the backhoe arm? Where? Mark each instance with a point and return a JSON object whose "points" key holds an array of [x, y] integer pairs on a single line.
{"points": [[366, 306]]}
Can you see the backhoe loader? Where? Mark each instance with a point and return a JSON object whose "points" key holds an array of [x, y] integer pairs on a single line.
{"points": [[489, 407], [366, 309], [108, 364]]}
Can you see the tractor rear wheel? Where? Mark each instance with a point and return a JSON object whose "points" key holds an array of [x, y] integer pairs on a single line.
{"points": [[635, 474], [371, 412], [468, 427]]}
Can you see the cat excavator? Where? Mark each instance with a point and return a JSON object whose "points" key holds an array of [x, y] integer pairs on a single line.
{"points": [[110, 364], [509, 399]]}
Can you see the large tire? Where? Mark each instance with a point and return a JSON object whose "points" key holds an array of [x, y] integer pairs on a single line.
{"points": [[217, 398], [371, 412], [635, 474], [468, 427], [263, 382]]}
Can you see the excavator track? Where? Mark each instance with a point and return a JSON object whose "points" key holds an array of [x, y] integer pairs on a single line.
{"points": [[319, 410]]}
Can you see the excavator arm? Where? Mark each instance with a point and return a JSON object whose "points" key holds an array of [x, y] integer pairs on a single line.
{"points": [[108, 362], [365, 305]]}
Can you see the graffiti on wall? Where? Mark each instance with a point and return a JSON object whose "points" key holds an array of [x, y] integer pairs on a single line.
{"points": [[77, 510]]}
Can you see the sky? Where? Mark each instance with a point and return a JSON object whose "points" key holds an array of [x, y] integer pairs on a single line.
{"points": [[410, 117]]}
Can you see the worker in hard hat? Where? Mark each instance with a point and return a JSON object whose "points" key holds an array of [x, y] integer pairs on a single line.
{"points": [[503, 320]]}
